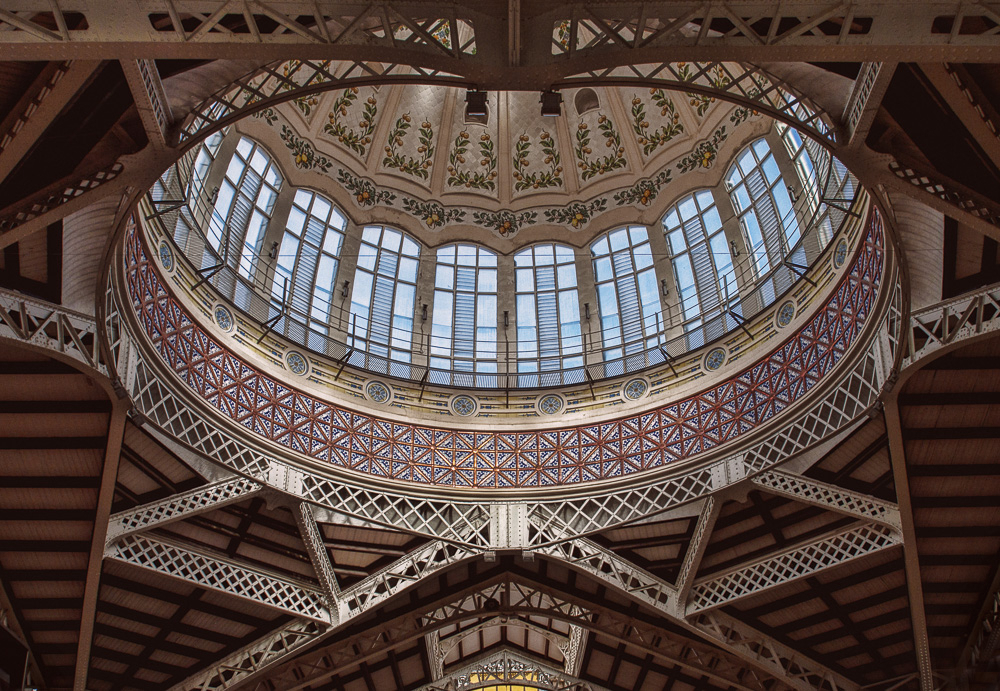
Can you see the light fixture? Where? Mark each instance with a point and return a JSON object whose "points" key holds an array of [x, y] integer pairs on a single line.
{"points": [[423, 313], [274, 250], [343, 291], [663, 287], [551, 104], [475, 103], [735, 250], [506, 319], [586, 310], [793, 194]]}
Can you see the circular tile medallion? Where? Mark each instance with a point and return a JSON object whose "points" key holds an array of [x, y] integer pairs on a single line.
{"points": [[785, 314], [463, 405], [166, 256], [840, 254], [223, 317], [715, 359], [635, 389], [550, 404], [377, 392], [296, 363]]}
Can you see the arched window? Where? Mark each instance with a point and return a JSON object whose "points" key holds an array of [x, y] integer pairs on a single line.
{"points": [[384, 294], [548, 311], [464, 329], [627, 295], [761, 200], [308, 259], [702, 263], [243, 208]]}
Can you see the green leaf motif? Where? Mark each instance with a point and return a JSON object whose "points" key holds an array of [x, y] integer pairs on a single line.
{"points": [[524, 179], [481, 179], [304, 155], [644, 191], [505, 223], [651, 140], [356, 140], [417, 167], [705, 153], [576, 214], [433, 214], [365, 192], [612, 140]]}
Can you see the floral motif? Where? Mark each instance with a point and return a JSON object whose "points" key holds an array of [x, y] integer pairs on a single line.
{"points": [[305, 156], [716, 76], [166, 256], [408, 164], [744, 113], [463, 405], [357, 141], [576, 214], [562, 34], [548, 178], [364, 191], [550, 404], [634, 389], [704, 154], [223, 317], [488, 160], [377, 392], [506, 223], [433, 214], [640, 125], [715, 359], [644, 191], [305, 104], [612, 140]]}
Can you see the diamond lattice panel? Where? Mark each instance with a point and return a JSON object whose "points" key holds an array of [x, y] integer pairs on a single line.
{"points": [[428, 455]]}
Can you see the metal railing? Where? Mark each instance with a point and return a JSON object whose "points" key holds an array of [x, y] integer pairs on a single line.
{"points": [[185, 211]]}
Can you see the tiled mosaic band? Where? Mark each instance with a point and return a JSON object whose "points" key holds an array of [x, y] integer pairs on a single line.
{"points": [[569, 455]]}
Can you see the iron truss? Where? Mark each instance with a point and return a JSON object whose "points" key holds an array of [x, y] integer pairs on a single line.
{"points": [[509, 667], [951, 322], [495, 34]]}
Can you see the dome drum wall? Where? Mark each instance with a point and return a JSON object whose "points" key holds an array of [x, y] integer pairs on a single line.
{"points": [[329, 338], [856, 300]]}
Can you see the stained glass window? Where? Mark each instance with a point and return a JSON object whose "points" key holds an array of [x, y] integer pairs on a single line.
{"points": [[548, 311], [627, 293], [383, 297]]}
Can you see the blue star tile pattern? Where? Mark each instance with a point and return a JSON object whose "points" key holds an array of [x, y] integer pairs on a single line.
{"points": [[642, 441]]}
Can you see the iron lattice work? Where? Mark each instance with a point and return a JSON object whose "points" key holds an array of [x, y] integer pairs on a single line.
{"points": [[51, 327], [951, 322], [813, 557], [426, 455], [744, 84], [254, 658], [214, 572], [948, 191], [180, 506], [829, 496], [40, 204], [508, 667]]}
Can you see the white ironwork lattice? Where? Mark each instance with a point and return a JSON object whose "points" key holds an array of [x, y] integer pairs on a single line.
{"points": [[254, 658], [50, 326], [794, 563], [963, 317], [320, 558], [181, 505], [508, 667], [829, 496], [213, 572]]}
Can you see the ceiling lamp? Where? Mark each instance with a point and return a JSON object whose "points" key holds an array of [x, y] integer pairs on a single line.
{"points": [[475, 103], [551, 104]]}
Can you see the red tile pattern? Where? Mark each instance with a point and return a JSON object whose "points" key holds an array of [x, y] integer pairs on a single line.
{"points": [[483, 459]]}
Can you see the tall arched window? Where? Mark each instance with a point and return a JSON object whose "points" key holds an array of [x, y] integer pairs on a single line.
{"points": [[384, 294], [308, 259], [702, 263], [761, 200], [548, 311], [464, 330], [627, 295], [243, 208]]}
